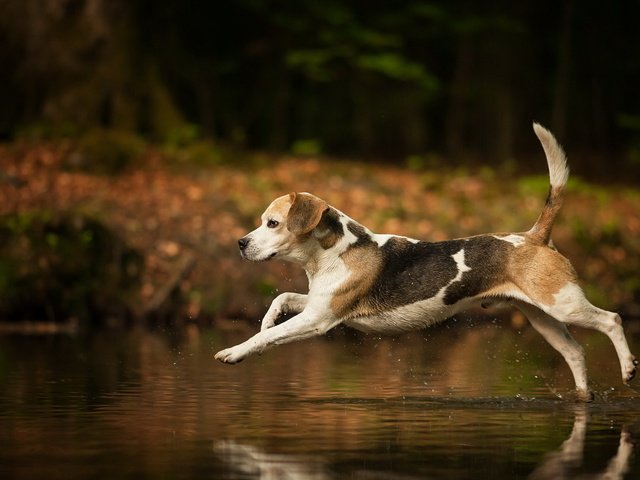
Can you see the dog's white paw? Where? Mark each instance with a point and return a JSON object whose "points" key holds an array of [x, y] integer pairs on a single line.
{"points": [[230, 355], [585, 396], [630, 371]]}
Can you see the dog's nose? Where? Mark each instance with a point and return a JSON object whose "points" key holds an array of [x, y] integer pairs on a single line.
{"points": [[243, 243]]}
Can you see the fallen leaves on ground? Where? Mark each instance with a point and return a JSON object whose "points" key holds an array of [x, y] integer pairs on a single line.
{"points": [[169, 213]]}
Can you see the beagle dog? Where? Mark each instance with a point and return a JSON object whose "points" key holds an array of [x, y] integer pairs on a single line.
{"points": [[389, 283]]}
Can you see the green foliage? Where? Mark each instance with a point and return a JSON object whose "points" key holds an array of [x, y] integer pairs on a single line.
{"points": [[629, 122], [633, 156], [576, 185], [182, 136], [539, 185], [418, 163], [202, 153], [343, 40], [58, 266], [186, 146], [41, 130], [106, 152], [266, 287], [395, 66], [534, 185], [597, 295], [611, 250], [415, 162], [306, 147]]}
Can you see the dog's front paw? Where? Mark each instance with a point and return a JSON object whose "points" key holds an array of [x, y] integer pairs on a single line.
{"points": [[230, 355]]}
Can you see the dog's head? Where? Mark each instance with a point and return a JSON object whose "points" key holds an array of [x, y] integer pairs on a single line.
{"points": [[285, 228]]}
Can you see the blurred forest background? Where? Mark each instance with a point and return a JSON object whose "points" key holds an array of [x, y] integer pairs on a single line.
{"points": [[374, 77], [140, 138]]}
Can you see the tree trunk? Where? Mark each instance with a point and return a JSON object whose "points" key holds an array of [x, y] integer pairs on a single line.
{"points": [[561, 93], [362, 116], [280, 112], [456, 112], [206, 107]]}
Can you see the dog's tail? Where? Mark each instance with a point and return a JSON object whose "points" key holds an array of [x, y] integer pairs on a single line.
{"points": [[558, 174]]}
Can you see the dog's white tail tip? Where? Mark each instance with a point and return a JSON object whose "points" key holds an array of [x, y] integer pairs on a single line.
{"points": [[556, 158]]}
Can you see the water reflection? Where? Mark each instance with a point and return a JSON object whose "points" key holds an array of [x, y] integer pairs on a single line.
{"points": [[568, 459], [565, 462], [481, 400], [256, 463]]}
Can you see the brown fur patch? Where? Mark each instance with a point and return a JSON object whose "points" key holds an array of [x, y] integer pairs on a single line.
{"points": [[305, 212], [329, 240], [504, 291], [539, 272], [540, 233], [364, 263], [278, 208]]}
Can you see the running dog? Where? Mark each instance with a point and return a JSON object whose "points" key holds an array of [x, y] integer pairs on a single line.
{"points": [[389, 283]]}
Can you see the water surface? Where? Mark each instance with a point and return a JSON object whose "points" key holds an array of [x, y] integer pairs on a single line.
{"points": [[465, 400]]}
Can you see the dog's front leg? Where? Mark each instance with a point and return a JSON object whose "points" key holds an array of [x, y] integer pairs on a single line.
{"points": [[283, 304], [300, 327]]}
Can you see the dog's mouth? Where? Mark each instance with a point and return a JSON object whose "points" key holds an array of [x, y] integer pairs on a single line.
{"points": [[269, 257], [244, 255]]}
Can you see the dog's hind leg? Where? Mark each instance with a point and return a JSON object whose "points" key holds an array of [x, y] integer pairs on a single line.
{"points": [[573, 308], [610, 324], [558, 336]]}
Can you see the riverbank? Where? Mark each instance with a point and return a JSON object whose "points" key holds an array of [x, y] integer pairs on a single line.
{"points": [[184, 217]]}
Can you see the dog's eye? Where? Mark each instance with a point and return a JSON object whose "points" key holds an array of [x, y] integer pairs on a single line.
{"points": [[271, 223]]}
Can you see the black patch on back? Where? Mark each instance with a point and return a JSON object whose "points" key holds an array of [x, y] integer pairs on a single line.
{"points": [[486, 256], [412, 272]]}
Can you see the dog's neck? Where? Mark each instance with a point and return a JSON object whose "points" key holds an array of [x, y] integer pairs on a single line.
{"points": [[321, 251]]}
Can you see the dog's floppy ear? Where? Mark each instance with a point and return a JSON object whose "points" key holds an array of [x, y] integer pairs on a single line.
{"points": [[305, 212]]}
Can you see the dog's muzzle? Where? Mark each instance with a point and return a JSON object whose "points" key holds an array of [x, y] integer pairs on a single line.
{"points": [[248, 250]]}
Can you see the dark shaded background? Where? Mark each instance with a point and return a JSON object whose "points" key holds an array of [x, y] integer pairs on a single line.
{"points": [[381, 79]]}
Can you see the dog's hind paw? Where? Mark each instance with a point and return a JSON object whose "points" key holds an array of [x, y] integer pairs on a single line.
{"points": [[585, 396], [630, 372]]}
